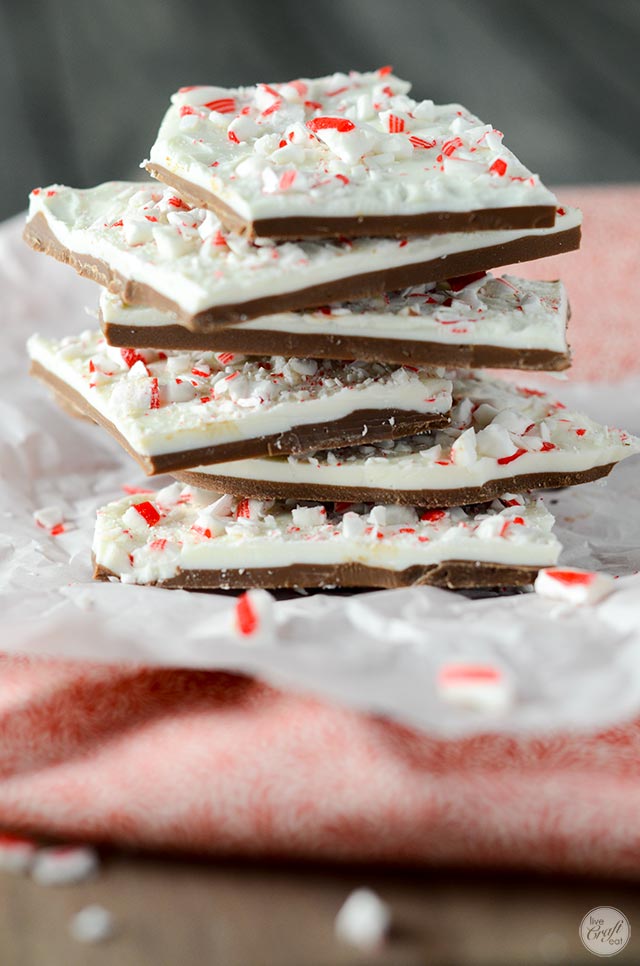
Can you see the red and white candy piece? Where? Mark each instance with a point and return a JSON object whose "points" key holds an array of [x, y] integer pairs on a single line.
{"points": [[50, 518], [16, 853], [254, 615], [364, 920], [64, 865], [476, 687], [573, 585]]}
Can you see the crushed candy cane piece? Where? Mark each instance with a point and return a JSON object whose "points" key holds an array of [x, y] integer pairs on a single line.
{"points": [[16, 853], [363, 920], [475, 687], [93, 924], [64, 865], [254, 614], [573, 585], [50, 518]]}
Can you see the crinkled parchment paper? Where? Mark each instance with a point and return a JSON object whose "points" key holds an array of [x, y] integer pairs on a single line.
{"points": [[570, 667]]}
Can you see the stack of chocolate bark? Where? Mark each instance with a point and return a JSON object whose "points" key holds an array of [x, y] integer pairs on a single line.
{"points": [[293, 317]]}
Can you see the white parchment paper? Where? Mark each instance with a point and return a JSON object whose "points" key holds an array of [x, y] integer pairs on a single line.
{"points": [[570, 667]]}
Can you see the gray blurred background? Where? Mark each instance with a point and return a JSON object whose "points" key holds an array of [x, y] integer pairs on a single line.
{"points": [[85, 83]]}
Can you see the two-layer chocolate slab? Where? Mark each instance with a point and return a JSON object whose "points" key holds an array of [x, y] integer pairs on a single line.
{"points": [[501, 438], [471, 322], [177, 538], [147, 246], [175, 410], [351, 154]]}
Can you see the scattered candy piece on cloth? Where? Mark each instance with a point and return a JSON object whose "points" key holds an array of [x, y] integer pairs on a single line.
{"points": [[363, 920], [16, 853], [478, 687], [64, 865], [93, 924], [573, 585], [216, 764]]}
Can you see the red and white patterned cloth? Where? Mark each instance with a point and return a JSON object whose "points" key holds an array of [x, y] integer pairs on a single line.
{"points": [[218, 764]]}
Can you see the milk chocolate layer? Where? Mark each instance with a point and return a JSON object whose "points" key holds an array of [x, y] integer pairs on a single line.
{"points": [[38, 234], [459, 496], [451, 574], [373, 226], [380, 424], [260, 342]]}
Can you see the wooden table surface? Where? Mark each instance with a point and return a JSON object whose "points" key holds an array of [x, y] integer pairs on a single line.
{"points": [[174, 912]]}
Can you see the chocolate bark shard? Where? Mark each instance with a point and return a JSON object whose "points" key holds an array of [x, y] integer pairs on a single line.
{"points": [[363, 226], [173, 538], [478, 321], [179, 411], [204, 281], [353, 155], [500, 438]]}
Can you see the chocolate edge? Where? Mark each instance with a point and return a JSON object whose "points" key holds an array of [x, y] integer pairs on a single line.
{"points": [[380, 424], [298, 227], [449, 574], [459, 496]]}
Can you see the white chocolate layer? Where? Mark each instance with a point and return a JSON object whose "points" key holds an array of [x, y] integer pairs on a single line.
{"points": [[497, 431], [177, 401], [265, 153], [146, 233], [509, 312], [193, 533]]}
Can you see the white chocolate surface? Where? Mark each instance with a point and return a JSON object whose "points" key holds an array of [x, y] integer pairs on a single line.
{"points": [[497, 431], [374, 151], [145, 232], [176, 401], [196, 532], [510, 312]]}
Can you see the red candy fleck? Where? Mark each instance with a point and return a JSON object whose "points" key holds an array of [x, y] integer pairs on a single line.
{"points": [[547, 446], [157, 544], [219, 239], [233, 137], [580, 432], [396, 124], [176, 202], [509, 459], [36, 191], [455, 673], [186, 109], [155, 394], [299, 86], [341, 124], [406, 530], [246, 617], [130, 356], [402, 242], [570, 578], [422, 143], [313, 105], [286, 180], [343, 178], [498, 167], [524, 391], [457, 284], [242, 509], [385, 71], [450, 147], [148, 513], [133, 490], [202, 531], [431, 516], [224, 105], [50, 193], [57, 530], [225, 358], [560, 211], [338, 90], [151, 217]]}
